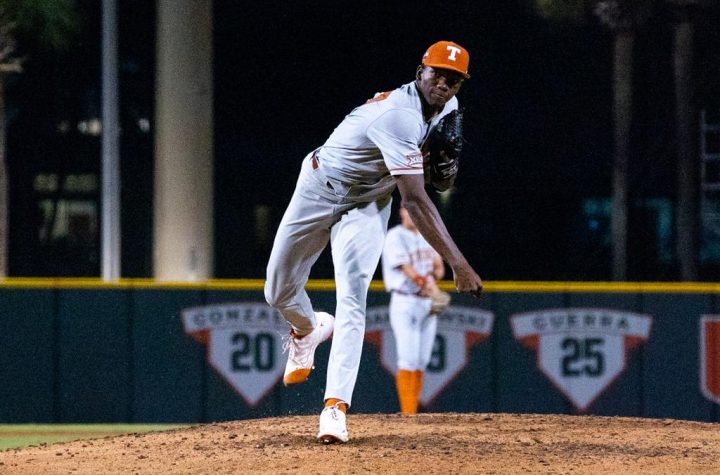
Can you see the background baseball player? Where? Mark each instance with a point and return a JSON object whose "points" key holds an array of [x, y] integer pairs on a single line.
{"points": [[343, 196], [411, 268]]}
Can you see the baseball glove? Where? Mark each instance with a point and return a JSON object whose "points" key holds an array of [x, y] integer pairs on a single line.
{"points": [[440, 301], [442, 151]]}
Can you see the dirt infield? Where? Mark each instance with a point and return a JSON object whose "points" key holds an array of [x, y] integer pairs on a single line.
{"points": [[380, 443]]}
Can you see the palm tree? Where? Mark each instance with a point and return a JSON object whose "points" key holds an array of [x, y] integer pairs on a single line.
{"points": [[50, 23], [623, 18], [688, 210], [688, 223]]}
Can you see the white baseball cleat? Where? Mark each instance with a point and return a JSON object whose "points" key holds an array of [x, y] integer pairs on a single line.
{"points": [[301, 351], [332, 425]]}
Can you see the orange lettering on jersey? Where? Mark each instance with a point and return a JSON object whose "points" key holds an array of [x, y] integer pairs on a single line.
{"points": [[380, 96]]}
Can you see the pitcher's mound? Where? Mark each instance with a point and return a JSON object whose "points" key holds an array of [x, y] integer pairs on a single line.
{"points": [[380, 443]]}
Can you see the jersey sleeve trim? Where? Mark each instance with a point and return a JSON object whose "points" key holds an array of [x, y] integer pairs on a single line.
{"points": [[406, 171]]}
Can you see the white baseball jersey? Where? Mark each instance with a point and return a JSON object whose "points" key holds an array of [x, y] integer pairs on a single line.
{"points": [[403, 246], [413, 327], [343, 196], [376, 140]]}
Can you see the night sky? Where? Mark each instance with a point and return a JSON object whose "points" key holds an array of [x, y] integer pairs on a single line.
{"points": [[538, 122]]}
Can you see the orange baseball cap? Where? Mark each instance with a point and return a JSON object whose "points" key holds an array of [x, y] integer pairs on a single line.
{"points": [[447, 55]]}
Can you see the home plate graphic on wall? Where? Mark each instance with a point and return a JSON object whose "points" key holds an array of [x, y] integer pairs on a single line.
{"points": [[458, 330], [581, 350], [243, 344]]}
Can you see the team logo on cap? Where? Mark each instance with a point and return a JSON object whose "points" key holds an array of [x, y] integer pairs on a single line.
{"points": [[449, 55], [452, 56], [453, 52]]}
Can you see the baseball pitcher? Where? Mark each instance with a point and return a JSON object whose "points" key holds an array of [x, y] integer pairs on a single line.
{"points": [[343, 197]]}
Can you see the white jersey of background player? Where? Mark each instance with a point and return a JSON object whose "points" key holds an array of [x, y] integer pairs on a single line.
{"points": [[343, 196], [411, 268]]}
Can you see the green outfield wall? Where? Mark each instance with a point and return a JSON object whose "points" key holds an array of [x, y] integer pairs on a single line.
{"points": [[85, 351]]}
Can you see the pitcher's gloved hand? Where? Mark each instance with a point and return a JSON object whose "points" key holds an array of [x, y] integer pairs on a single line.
{"points": [[442, 151]]}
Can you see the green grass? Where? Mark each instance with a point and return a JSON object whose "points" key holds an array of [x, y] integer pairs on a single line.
{"points": [[26, 435]]}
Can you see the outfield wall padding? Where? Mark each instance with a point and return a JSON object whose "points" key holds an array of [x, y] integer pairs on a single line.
{"points": [[142, 352]]}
